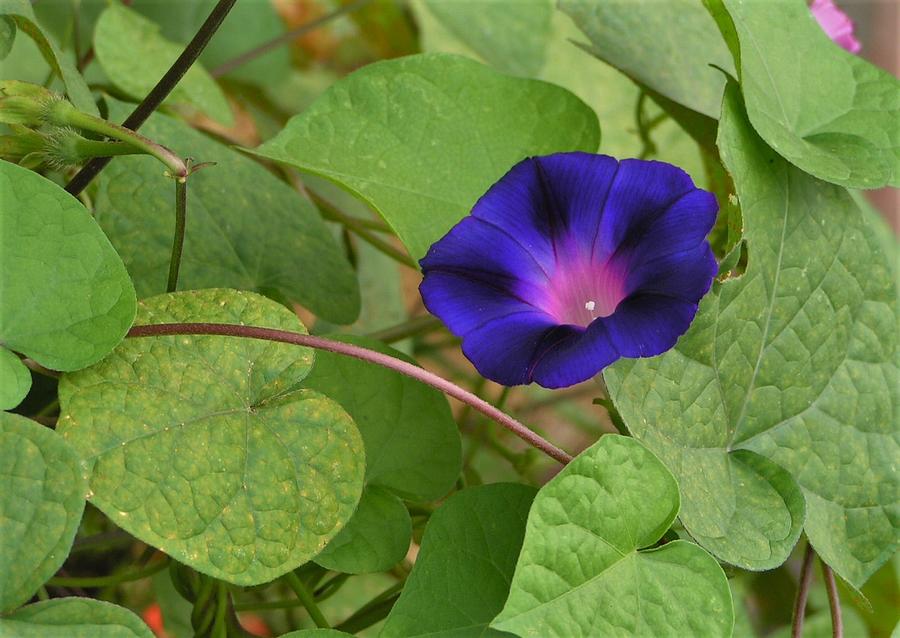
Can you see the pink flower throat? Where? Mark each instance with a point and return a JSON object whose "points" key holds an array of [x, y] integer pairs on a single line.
{"points": [[580, 291]]}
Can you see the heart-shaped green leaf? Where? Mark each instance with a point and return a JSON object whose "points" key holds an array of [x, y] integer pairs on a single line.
{"points": [[420, 138], [666, 46], [67, 299], [412, 446], [73, 618], [134, 55], [588, 566], [205, 447], [7, 35], [15, 380], [510, 35], [245, 228], [40, 506], [536, 40], [835, 115], [245, 27], [412, 441], [465, 563], [375, 539], [796, 362]]}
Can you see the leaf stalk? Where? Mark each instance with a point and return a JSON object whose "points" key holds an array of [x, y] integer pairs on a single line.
{"points": [[112, 580], [307, 600], [178, 239]]}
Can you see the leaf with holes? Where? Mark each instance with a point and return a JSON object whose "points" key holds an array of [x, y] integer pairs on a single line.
{"points": [[245, 228], [73, 618], [40, 506], [67, 300], [588, 565], [465, 563], [835, 115], [135, 56], [793, 364], [206, 448], [420, 138]]}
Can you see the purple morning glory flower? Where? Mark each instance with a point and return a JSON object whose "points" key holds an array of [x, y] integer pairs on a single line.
{"points": [[570, 262]]}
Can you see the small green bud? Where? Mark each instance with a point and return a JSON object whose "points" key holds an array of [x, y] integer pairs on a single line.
{"points": [[25, 103], [24, 147], [62, 148], [60, 113], [57, 147], [25, 89]]}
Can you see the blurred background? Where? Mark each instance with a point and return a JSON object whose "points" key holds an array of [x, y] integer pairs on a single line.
{"points": [[878, 28]]}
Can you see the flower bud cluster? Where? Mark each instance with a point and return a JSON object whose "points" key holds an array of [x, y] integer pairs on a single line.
{"points": [[39, 121]]}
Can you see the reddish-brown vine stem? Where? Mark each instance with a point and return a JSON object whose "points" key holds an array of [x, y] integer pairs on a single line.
{"points": [[834, 601], [347, 349], [806, 573]]}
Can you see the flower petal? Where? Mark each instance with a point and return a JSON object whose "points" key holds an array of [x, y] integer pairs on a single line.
{"points": [[577, 356], [503, 350], [560, 240], [485, 249], [550, 199], [643, 191], [836, 24], [464, 303], [687, 275], [647, 325], [684, 225]]}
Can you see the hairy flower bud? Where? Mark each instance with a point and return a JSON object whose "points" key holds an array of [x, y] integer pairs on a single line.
{"points": [[25, 103], [24, 147]]}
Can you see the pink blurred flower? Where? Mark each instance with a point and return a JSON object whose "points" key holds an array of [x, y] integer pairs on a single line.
{"points": [[836, 24]]}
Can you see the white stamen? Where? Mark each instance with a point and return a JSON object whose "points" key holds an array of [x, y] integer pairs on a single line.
{"points": [[589, 306]]}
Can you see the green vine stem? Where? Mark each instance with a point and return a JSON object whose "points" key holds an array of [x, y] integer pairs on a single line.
{"points": [[112, 580], [178, 239], [159, 92], [360, 229], [220, 626], [320, 343], [306, 599], [330, 587], [267, 605], [80, 147], [203, 612], [373, 611]]}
